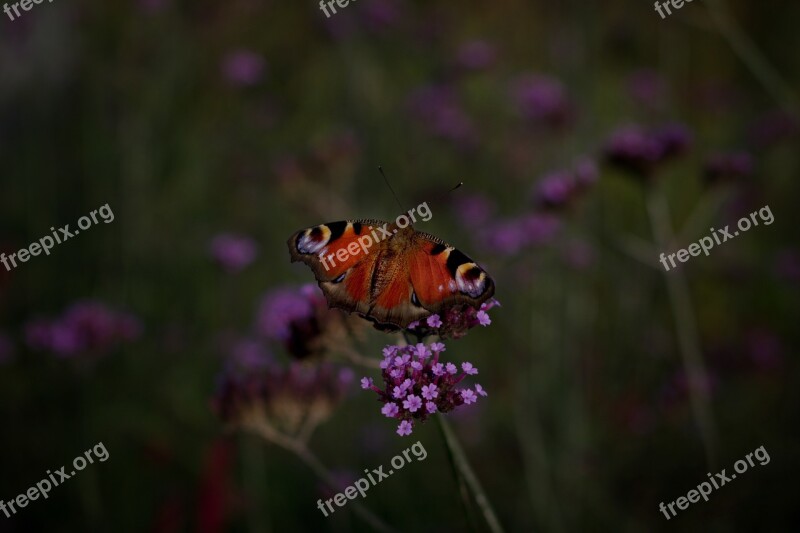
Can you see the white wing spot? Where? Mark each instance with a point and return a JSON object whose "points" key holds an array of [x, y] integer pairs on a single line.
{"points": [[311, 245], [470, 287]]}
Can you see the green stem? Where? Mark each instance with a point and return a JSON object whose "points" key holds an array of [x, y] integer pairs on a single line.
{"points": [[463, 490], [751, 56], [253, 458], [686, 327], [316, 466], [460, 459]]}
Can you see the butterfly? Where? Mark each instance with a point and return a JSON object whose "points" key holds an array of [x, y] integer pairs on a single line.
{"points": [[388, 274]]}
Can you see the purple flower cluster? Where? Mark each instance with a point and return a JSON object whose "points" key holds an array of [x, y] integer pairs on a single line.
{"points": [[510, 236], [558, 189], [476, 55], [455, 322], [542, 99], [243, 68], [297, 318], [416, 384], [639, 151], [233, 252], [438, 108], [247, 355], [86, 327], [648, 88]]}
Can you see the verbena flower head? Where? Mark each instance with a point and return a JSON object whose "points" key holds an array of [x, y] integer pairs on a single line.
{"points": [[510, 236], [290, 400], [542, 99], [87, 327], [300, 320], [640, 151], [453, 323], [559, 189], [248, 355], [421, 389], [439, 109], [233, 252]]}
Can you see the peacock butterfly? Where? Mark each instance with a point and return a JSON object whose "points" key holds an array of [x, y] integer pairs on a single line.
{"points": [[402, 276]]}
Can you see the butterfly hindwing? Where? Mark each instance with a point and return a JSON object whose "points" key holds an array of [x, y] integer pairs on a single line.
{"points": [[442, 275]]}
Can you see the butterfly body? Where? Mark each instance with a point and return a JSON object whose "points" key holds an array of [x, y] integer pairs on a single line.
{"points": [[388, 274]]}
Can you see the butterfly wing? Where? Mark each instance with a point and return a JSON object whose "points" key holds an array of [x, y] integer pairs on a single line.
{"points": [[343, 268], [398, 280], [443, 276]]}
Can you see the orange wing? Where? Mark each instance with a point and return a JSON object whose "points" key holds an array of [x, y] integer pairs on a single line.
{"points": [[391, 276], [442, 275]]}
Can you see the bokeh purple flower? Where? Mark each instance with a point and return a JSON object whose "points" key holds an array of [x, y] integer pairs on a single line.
{"points": [[247, 355], [647, 88], [438, 109], [542, 99], [86, 327], [639, 151], [764, 348], [300, 320], [476, 55], [560, 188], [555, 189], [243, 67], [511, 236], [233, 252], [381, 15], [473, 210]]}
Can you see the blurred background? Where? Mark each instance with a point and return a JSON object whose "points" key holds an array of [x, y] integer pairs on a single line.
{"points": [[590, 140]]}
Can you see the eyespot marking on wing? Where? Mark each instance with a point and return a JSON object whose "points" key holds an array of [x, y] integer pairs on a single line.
{"points": [[312, 240], [471, 280]]}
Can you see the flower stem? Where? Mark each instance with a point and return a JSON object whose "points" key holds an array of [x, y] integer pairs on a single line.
{"points": [[751, 56], [686, 327], [460, 460], [307, 456]]}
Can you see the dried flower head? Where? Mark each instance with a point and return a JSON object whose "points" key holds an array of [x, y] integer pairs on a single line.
{"points": [[416, 384], [289, 401]]}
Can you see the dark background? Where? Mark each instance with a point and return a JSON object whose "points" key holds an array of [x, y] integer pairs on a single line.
{"points": [[195, 119]]}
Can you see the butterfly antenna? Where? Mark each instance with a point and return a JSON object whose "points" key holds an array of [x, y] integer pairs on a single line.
{"points": [[460, 183], [380, 169]]}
